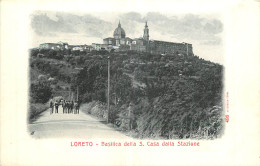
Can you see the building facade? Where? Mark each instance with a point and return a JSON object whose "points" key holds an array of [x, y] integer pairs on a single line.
{"points": [[98, 47], [162, 47], [65, 46], [119, 41], [85, 47], [54, 46], [119, 37], [144, 44]]}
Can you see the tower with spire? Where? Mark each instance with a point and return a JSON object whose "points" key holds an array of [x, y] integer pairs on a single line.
{"points": [[142, 44], [146, 32]]}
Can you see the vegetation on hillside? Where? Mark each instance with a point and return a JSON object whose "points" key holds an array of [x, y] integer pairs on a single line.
{"points": [[153, 95]]}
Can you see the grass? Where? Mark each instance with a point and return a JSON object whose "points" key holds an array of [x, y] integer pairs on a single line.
{"points": [[35, 111], [95, 108]]}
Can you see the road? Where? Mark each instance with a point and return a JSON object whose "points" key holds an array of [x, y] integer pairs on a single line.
{"points": [[71, 126]]}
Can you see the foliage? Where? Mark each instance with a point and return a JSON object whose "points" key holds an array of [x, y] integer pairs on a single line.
{"points": [[35, 110], [40, 92], [174, 96]]}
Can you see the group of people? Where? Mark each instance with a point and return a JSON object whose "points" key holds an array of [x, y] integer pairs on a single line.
{"points": [[68, 107]]}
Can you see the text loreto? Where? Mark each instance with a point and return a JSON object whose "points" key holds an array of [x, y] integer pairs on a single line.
{"points": [[81, 143]]}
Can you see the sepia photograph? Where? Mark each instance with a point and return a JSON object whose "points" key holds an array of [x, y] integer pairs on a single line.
{"points": [[129, 83], [126, 75]]}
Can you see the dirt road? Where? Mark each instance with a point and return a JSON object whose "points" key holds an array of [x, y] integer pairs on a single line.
{"points": [[71, 126]]}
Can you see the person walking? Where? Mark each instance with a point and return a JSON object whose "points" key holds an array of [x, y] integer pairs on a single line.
{"points": [[63, 106], [51, 106], [56, 106], [69, 107], [72, 107], [77, 107]]}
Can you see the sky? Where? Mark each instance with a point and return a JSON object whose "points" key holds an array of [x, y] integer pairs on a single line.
{"points": [[204, 32]]}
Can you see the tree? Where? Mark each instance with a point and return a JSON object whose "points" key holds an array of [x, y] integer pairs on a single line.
{"points": [[52, 54], [34, 52], [41, 91]]}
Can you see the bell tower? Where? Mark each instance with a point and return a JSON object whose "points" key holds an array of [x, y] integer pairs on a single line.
{"points": [[146, 32]]}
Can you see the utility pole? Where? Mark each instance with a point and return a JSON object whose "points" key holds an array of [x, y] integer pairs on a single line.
{"points": [[69, 95], [130, 115], [77, 93], [108, 90], [187, 49]]}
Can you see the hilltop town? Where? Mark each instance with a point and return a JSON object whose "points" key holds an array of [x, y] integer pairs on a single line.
{"points": [[170, 92], [119, 42]]}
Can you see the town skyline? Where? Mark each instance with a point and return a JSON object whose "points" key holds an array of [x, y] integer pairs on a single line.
{"points": [[204, 33]]}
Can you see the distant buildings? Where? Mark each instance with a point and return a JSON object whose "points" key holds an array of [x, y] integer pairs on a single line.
{"points": [[144, 44], [54, 46], [119, 41], [65, 46], [81, 48], [99, 47], [162, 47]]}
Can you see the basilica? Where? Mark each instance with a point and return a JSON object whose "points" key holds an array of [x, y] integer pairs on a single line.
{"points": [[119, 41]]}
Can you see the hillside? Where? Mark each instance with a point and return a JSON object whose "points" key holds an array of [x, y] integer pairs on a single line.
{"points": [[167, 96]]}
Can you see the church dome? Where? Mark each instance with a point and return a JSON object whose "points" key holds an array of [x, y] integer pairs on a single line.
{"points": [[119, 32]]}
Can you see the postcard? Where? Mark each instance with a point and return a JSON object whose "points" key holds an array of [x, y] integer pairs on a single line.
{"points": [[130, 83]]}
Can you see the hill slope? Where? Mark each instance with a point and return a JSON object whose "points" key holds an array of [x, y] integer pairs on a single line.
{"points": [[153, 96]]}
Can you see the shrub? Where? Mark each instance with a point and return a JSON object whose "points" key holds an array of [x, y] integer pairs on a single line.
{"points": [[40, 92], [35, 110]]}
